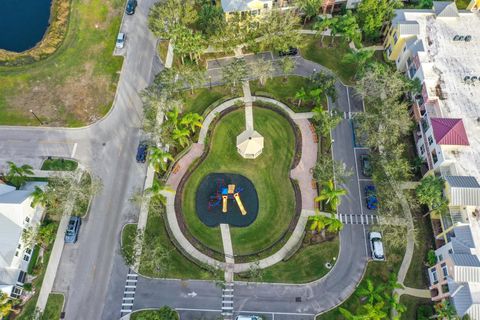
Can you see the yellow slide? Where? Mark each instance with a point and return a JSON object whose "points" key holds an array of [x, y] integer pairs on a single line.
{"points": [[225, 199], [240, 204]]}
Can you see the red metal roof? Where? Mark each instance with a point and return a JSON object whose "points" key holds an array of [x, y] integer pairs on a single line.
{"points": [[449, 131]]}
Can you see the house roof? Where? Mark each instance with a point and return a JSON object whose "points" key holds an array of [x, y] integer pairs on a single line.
{"points": [[449, 131], [466, 273], [445, 9], [466, 298], [463, 241], [408, 28], [462, 182], [465, 260]]}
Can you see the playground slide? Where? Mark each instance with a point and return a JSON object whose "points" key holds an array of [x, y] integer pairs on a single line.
{"points": [[240, 204], [224, 208]]}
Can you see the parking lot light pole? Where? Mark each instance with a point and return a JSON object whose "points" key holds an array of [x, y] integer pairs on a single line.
{"points": [[31, 111]]}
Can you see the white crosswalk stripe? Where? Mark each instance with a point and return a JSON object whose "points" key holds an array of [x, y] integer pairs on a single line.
{"points": [[129, 293], [365, 219], [227, 301]]}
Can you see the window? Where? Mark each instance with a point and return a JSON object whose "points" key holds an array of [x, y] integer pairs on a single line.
{"points": [[27, 219], [430, 140], [444, 270], [26, 257], [389, 51], [440, 257], [398, 60], [395, 38], [434, 156], [16, 253], [450, 251], [19, 246], [433, 271], [405, 48], [422, 149], [28, 251], [265, 6]]}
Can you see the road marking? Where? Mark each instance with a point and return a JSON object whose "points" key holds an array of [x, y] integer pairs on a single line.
{"points": [[129, 293], [365, 219], [368, 180], [284, 313], [74, 150]]}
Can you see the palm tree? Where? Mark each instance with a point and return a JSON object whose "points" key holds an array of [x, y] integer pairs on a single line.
{"points": [[39, 197], [181, 136], [329, 223], [301, 95], [331, 195], [46, 234], [192, 120], [324, 121], [360, 58], [159, 158], [17, 175], [335, 28], [373, 293], [394, 303], [172, 117], [155, 192]]}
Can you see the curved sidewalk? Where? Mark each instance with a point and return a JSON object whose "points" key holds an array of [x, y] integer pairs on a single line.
{"points": [[302, 174]]}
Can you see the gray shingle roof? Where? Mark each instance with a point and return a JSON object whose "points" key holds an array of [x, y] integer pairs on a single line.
{"points": [[445, 9], [409, 28], [462, 182], [466, 260]]}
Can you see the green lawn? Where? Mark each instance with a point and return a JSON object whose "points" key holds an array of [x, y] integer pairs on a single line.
{"points": [[33, 259], [129, 233], [416, 307], [269, 173], [330, 57], [416, 275], [284, 90], [59, 165], [76, 85], [54, 307], [202, 98], [312, 260], [179, 266]]}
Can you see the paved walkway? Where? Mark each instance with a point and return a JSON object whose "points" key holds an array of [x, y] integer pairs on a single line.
{"points": [[195, 152], [419, 293], [247, 98], [228, 250]]}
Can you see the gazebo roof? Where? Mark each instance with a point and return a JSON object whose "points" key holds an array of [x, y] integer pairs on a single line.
{"points": [[249, 142]]}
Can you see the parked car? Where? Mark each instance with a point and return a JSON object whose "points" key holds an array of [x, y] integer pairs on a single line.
{"points": [[290, 52], [71, 235], [130, 8], [248, 318], [377, 246], [120, 41], [366, 165], [142, 152], [371, 197]]}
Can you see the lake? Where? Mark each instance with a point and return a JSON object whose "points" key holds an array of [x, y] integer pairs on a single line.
{"points": [[23, 23]]}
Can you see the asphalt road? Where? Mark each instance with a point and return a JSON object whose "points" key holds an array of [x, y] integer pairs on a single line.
{"points": [[92, 273]]}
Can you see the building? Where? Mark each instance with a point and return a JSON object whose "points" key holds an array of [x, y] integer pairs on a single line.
{"points": [[437, 46], [16, 214], [251, 6]]}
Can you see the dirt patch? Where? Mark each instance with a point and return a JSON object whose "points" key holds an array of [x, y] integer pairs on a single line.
{"points": [[76, 100]]}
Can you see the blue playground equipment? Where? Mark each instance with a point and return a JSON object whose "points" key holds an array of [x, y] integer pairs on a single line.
{"points": [[223, 193]]}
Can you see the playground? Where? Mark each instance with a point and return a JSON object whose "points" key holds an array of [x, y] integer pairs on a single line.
{"points": [[226, 198], [268, 195]]}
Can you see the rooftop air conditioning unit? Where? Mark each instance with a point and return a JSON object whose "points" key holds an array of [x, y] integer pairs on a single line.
{"points": [[456, 37], [468, 38], [474, 78], [466, 78]]}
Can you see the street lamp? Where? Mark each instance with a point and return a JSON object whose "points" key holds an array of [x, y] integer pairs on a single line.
{"points": [[31, 111], [210, 78]]}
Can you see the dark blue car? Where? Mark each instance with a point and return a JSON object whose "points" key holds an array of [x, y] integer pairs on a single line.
{"points": [[130, 8], [142, 152], [371, 197]]}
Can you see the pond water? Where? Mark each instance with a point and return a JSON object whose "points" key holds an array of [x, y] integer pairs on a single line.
{"points": [[23, 23]]}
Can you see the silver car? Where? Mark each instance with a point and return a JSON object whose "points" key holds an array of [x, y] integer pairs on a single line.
{"points": [[120, 41]]}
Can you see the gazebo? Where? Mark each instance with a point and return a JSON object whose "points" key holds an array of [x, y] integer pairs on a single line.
{"points": [[250, 144]]}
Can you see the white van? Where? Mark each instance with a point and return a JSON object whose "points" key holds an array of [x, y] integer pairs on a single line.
{"points": [[377, 246]]}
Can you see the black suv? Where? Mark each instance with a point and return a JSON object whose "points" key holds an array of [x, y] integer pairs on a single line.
{"points": [[290, 52], [142, 152], [131, 5]]}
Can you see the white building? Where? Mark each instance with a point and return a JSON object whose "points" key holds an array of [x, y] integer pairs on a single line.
{"points": [[16, 214]]}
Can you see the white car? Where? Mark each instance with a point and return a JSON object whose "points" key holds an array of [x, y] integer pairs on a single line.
{"points": [[377, 246], [120, 41], [248, 318]]}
